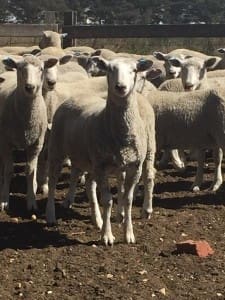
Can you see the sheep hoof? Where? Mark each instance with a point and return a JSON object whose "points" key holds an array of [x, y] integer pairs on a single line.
{"points": [[108, 239], [129, 238], [4, 206], [146, 214], [180, 168], [195, 188]]}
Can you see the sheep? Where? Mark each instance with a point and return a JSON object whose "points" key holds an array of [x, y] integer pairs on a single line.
{"points": [[18, 50], [23, 122], [116, 135], [189, 118], [80, 49], [85, 60], [221, 62], [193, 77], [193, 73], [174, 71], [51, 39]]}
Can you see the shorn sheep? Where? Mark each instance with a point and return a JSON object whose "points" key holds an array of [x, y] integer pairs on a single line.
{"points": [[101, 137], [23, 122]]}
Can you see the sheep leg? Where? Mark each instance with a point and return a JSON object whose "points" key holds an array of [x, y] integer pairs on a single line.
{"points": [[106, 234], [54, 172], [218, 178], [162, 164], [132, 178], [74, 177], [200, 171], [148, 173], [91, 187], [120, 203], [177, 161], [7, 169], [31, 174], [42, 171]]}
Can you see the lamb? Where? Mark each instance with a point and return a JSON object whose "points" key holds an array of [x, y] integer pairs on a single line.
{"points": [[51, 39], [23, 122], [102, 137]]}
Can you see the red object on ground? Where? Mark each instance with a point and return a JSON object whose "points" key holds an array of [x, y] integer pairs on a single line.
{"points": [[200, 248]]}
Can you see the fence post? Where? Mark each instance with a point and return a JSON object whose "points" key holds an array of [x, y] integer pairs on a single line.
{"points": [[70, 19]]}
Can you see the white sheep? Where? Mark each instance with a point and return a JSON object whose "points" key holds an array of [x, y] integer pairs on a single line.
{"points": [[51, 39], [23, 122], [104, 137], [194, 76], [189, 121], [173, 71]]}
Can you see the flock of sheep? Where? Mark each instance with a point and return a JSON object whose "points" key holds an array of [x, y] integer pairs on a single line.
{"points": [[105, 114]]}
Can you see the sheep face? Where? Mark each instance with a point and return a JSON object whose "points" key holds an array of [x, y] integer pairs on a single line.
{"points": [[122, 74], [30, 73], [51, 73], [193, 70], [171, 70]]}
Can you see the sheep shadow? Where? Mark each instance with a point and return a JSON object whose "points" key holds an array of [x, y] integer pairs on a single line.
{"points": [[28, 235]]}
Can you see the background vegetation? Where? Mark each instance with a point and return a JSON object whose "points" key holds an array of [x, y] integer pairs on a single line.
{"points": [[117, 11]]}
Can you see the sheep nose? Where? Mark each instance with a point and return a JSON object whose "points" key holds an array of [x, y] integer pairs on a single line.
{"points": [[120, 87], [188, 87], [51, 83], [29, 87]]}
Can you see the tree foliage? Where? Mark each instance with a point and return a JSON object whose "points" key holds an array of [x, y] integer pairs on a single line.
{"points": [[119, 11]]}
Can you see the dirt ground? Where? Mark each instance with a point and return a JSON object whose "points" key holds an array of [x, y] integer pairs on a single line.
{"points": [[68, 261]]}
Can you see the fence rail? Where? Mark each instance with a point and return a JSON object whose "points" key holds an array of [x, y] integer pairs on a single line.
{"points": [[144, 31], [25, 30]]}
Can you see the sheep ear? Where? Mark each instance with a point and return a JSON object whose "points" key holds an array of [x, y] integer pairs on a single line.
{"points": [[209, 63], [153, 74], [45, 33], [221, 50], [2, 79], [160, 55], [97, 53], [9, 63], [65, 59], [176, 62], [63, 35], [144, 64], [51, 62], [36, 52], [102, 63]]}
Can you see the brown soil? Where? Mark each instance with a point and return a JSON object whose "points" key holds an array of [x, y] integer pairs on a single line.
{"points": [[69, 262]]}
